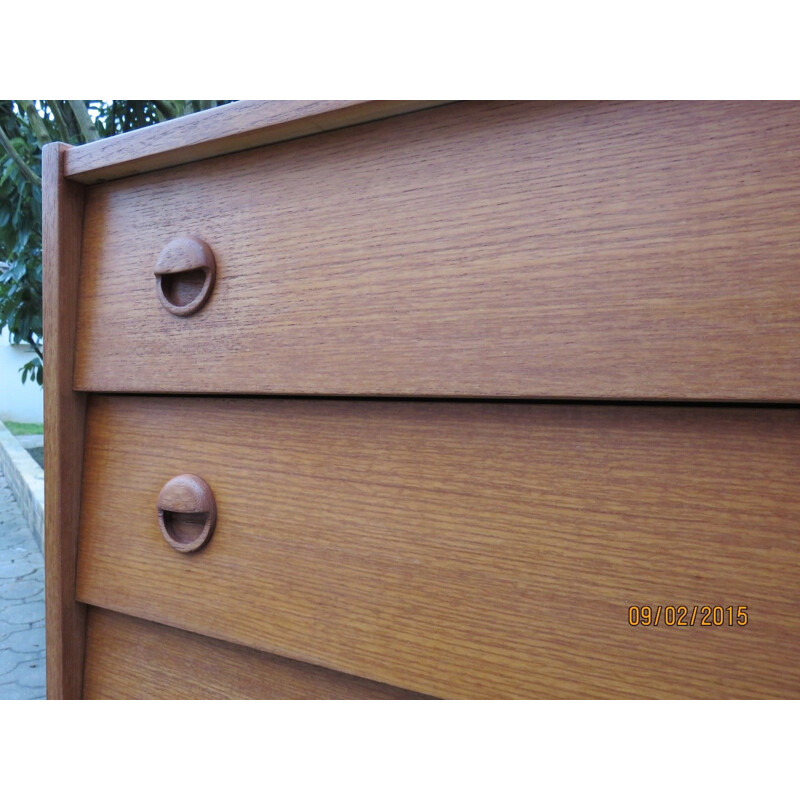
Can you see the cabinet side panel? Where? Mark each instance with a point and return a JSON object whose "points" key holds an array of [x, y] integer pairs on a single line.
{"points": [[64, 414]]}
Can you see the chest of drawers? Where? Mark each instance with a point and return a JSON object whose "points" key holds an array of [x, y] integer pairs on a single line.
{"points": [[470, 400]]}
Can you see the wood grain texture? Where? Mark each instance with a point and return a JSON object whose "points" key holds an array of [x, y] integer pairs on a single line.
{"points": [[535, 250], [462, 549], [64, 417], [130, 659], [228, 129]]}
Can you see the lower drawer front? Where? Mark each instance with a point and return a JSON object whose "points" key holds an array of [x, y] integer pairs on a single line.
{"points": [[130, 659], [463, 549]]}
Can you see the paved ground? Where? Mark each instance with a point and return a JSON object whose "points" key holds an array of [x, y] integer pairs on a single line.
{"points": [[22, 671]]}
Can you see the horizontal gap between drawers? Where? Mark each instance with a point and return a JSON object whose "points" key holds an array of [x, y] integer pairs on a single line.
{"points": [[461, 400]]}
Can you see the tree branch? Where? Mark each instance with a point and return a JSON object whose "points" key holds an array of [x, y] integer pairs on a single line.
{"points": [[166, 109], [29, 174], [88, 130], [33, 344], [63, 128], [35, 121]]}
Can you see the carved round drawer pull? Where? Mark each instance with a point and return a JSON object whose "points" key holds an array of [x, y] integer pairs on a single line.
{"points": [[185, 274], [187, 512]]}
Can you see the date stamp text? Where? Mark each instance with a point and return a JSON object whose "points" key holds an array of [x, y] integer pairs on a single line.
{"points": [[688, 616]]}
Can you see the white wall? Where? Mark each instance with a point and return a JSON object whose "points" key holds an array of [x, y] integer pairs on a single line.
{"points": [[17, 402]]}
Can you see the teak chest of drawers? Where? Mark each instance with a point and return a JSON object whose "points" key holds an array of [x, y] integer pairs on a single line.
{"points": [[471, 399]]}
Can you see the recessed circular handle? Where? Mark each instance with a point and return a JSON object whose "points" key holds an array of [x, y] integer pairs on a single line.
{"points": [[187, 512], [185, 274]]}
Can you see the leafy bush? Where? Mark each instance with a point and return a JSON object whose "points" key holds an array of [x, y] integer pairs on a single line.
{"points": [[21, 239]]}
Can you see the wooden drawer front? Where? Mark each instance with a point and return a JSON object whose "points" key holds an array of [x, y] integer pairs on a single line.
{"points": [[462, 549], [572, 250], [130, 659]]}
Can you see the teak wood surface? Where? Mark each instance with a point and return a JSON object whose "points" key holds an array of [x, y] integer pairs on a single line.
{"points": [[533, 250], [64, 416], [130, 659], [462, 549], [228, 129], [617, 251]]}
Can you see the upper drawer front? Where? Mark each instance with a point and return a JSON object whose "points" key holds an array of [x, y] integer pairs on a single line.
{"points": [[463, 549], [598, 250]]}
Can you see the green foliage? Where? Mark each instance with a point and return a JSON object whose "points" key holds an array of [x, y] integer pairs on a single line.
{"points": [[21, 241], [24, 428], [25, 127]]}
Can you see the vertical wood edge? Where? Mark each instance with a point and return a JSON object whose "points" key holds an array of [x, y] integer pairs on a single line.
{"points": [[64, 421]]}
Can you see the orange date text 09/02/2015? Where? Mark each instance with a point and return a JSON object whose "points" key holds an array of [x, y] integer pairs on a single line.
{"points": [[688, 616]]}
